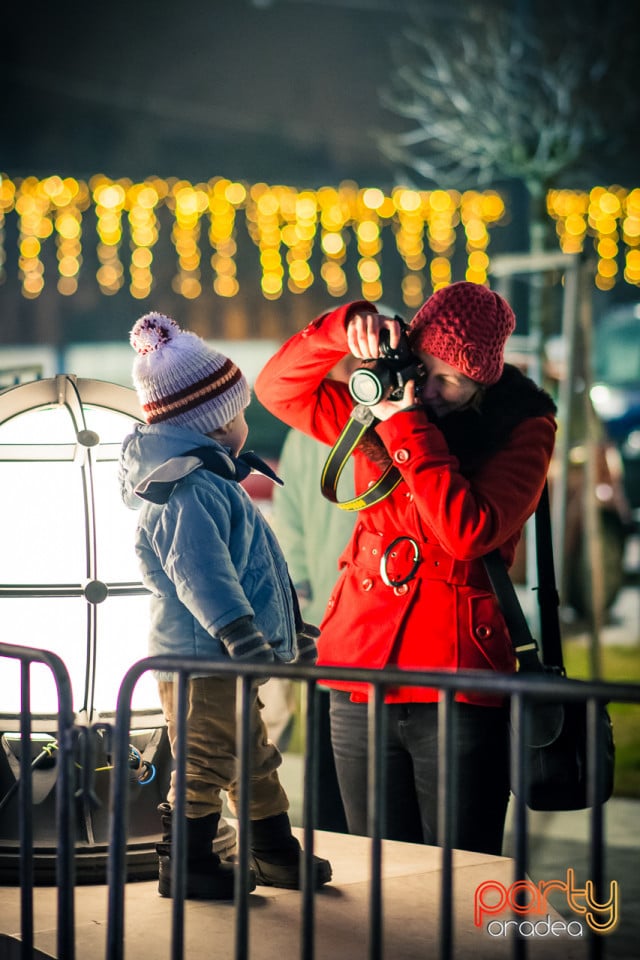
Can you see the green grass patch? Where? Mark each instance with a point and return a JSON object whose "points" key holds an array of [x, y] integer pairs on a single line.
{"points": [[619, 664]]}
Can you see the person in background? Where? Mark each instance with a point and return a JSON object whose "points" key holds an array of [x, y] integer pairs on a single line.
{"points": [[313, 533], [220, 591], [467, 440]]}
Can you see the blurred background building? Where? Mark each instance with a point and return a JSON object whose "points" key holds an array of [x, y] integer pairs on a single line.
{"points": [[243, 164]]}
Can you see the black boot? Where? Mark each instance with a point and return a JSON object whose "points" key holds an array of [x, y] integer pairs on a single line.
{"points": [[276, 855], [208, 877]]}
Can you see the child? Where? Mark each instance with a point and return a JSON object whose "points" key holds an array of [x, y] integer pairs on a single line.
{"points": [[219, 589]]}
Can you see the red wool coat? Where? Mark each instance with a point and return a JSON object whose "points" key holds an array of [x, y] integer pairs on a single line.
{"points": [[446, 617]]}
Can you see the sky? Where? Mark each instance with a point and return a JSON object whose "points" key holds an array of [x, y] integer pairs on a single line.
{"points": [[283, 90], [280, 91]]}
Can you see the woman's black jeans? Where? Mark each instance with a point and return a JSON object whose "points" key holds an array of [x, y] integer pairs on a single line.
{"points": [[481, 751]]}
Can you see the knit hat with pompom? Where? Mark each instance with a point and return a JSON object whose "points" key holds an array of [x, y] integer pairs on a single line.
{"points": [[466, 325], [181, 380]]}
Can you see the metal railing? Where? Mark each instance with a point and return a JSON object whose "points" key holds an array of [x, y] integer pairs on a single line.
{"points": [[66, 742], [520, 688]]}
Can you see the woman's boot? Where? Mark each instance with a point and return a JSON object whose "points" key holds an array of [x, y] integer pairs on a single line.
{"points": [[208, 877], [276, 855]]}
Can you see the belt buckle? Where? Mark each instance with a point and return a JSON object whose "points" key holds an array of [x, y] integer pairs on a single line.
{"points": [[417, 559]]}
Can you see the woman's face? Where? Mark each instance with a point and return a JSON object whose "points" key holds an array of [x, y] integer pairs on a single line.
{"points": [[442, 388]]}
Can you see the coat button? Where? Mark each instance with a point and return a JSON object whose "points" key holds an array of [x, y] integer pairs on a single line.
{"points": [[483, 631], [367, 583], [401, 456]]}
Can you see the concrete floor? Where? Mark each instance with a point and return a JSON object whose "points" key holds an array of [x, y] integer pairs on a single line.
{"points": [[411, 882]]}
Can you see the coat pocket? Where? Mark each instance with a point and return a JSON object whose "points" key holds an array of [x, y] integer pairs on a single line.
{"points": [[488, 645]]}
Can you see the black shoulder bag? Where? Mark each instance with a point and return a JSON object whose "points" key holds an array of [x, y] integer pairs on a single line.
{"points": [[556, 751]]}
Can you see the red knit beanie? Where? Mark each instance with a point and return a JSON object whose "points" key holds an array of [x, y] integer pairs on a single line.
{"points": [[465, 325]]}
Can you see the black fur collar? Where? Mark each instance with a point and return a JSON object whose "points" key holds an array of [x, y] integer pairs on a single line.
{"points": [[473, 435]]}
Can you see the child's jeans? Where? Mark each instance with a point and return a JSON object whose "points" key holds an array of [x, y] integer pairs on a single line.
{"points": [[211, 762]]}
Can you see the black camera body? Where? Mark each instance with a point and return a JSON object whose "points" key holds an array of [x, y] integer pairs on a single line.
{"points": [[386, 377]]}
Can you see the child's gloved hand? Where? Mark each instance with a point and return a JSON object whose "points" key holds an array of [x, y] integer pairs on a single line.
{"points": [[245, 642], [306, 636]]}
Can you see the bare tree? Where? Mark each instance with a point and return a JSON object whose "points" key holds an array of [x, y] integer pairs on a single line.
{"points": [[543, 92]]}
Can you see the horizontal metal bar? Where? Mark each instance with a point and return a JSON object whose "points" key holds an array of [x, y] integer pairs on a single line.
{"points": [[535, 685], [17, 590]]}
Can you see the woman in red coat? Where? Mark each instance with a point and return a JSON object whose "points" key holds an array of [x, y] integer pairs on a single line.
{"points": [[470, 440]]}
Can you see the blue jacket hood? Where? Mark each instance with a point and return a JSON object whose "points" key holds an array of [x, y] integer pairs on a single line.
{"points": [[149, 446]]}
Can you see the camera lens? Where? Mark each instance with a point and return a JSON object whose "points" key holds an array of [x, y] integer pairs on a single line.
{"points": [[366, 387]]}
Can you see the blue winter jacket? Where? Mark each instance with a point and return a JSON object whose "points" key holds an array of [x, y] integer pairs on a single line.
{"points": [[207, 555]]}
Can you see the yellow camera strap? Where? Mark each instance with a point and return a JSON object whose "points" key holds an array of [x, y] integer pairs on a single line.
{"points": [[356, 426]]}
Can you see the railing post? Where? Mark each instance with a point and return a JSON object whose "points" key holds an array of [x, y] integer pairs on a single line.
{"points": [[446, 788]]}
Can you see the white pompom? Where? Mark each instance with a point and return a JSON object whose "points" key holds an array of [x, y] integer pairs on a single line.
{"points": [[153, 331]]}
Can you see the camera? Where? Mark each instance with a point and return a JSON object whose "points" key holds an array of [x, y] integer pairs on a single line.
{"points": [[386, 377]]}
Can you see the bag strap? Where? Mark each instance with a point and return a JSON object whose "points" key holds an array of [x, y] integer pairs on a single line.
{"points": [[525, 645], [548, 597]]}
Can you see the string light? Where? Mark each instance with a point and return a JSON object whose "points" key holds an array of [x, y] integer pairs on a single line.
{"points": [[607, 215], [109, 198], [224, 198], [7, 203], [288, 227], [142, 200]]}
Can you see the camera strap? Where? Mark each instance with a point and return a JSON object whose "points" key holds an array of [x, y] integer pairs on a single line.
{"points": [[356, 426]]}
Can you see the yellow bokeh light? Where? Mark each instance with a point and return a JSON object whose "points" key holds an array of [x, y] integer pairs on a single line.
{"points": [[369, 270], [609, 204], [68, 226], [110, 196], [225, 286], [236, 193], [368, 231], [373, 198], [476, 231], [147, 198], [285, 222], [607, 268], [142, 257], [332, 244], [575, 225], [372, 291], [412, 290], [67, 286], [607, 248], [30, 247], [299, 271], [441, 201], [478, 260], [407, 200], [68, 266]]}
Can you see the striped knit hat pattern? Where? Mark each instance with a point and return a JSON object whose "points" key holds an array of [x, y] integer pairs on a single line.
{"points": [[181, 380], [467, 326]]}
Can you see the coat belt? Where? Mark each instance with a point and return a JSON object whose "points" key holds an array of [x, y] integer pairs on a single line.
{"points": [[368, 549]]}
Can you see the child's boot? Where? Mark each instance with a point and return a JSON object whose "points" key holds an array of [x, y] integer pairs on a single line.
{"points": [[276, 855], [208, 877]]}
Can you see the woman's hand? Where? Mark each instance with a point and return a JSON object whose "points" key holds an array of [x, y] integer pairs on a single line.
{"points": [[387, 408], [363, 339], [363, 334]]}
